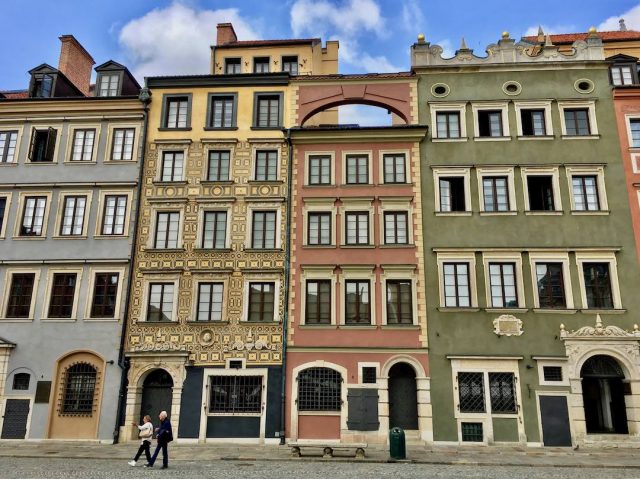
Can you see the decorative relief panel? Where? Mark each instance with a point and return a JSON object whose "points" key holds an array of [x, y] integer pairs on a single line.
{"points": [[507, 325]]}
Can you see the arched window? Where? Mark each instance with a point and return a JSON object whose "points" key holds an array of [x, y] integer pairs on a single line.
{"points": [[21, 381], [79, 390], [319, 390]]}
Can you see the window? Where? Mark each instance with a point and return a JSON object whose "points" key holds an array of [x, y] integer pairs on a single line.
{"points": [[8, 142], [210, 301], [634, 127], [222, 111], [502, 393], [73, 215], [122, 149], [319, 389], [585, 192], [495, 192], [357, 228], [490, 123], [457, 291], [266, 165], [268, 111], [357, 302], [176, 114], [320, 170], [357, 169], [79, 389], [290, 64], [215, 229], [232, 66], [577, 121], [369, 375], [550, 280], [448, 124], [394, 168], [621, 75], [167, 230], [540, 190], [261, 65], [63, 290], [502, 281], [471, 392], [552, 373], [3, 207], [471, 432], [452, 194], [533, 122], [105, 293], [263, 230], [597, 283], [319, 229], [21, 381], [33, 216], [20, 295], [160, 305], [318, 302], [218, 165], [399, 302], [109, 84], [236, 394], [42, 86], [113, 218], [172, 165], [261, 302], [43, 145], [395, 227]]}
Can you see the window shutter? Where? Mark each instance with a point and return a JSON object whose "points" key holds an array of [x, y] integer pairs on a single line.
{"points": [[363, 409], [51, 144], [33, 144]]}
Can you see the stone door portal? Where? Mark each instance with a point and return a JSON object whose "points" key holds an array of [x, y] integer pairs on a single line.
{"points": [[157, 391], [603, 395]]}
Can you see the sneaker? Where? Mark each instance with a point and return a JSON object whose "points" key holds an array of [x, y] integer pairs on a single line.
{"points": [[132, 463], [148, 465]]}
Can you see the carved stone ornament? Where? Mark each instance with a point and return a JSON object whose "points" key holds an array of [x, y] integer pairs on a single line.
{"points": [[249, 344], [600, 331], [507, 325], [167, 346]]}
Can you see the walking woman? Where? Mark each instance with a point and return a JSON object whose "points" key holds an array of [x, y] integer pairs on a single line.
{"points": [[145, 434], [164, 435]]}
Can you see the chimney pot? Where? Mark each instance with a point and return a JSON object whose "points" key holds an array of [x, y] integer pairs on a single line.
{"points": [[75, 63], [225, 34]]}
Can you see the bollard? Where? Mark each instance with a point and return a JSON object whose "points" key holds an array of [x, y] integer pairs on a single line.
{"points": [[397, 444]]}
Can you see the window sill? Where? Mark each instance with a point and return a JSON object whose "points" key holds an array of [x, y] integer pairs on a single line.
{"points": [[10, 163], [265, 182], [220, 128], [162, 250], [244, 321], [506, 310], [554, 311], [102, 320], [79, 162], [30, 238], [41, 163], [170, 183], [536, 137], [267, 128], [401, 326], [156, 323], [603, 311], [590, 212], [455, 309], [454, 213], [357, 246], [207, 323], [544, 212], [317, 326], [491, 138], [119, 162], [110, 237], [319, 246], [498, 213], [323, 185], [263, 250], [165, 128], [355, 185], [213, 182], [397, 246], [580, 137], [212, 250], [449, 140], [58, 320], [69, 237], [16, 320], [357, 326]]}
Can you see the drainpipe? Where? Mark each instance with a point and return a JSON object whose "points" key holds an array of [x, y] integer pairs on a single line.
{"points": [[145, 98]]}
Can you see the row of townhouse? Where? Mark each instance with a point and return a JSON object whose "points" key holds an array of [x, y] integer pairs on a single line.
{"points": [[220, 247]]}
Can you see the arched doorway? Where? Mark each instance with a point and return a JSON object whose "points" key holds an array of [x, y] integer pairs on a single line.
{"points": [[603, 396], [157, 390], [403, 397]]}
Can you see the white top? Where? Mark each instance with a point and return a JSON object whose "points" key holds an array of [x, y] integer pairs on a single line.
{"points": [[146, 432]]}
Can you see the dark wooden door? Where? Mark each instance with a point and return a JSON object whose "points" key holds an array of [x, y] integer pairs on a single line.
{"points": [[16, 413], [403, 397], [157, 391], [556, 429]]}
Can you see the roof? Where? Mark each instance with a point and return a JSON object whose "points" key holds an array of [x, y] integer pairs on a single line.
{"points": [[270, 43], [15, 94], [569, 38], [353, 76]]}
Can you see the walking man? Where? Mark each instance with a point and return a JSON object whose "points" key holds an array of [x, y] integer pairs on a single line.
{"points": [[145, 434], [164, 436]]}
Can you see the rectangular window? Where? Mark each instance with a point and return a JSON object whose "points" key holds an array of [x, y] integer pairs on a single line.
{"points": [[533, 123], [222, 112], [109, 85], [215, 229], [160, 305], [552, 373], [502, 280], [471, 432], [122, 144], [357, 169], [471, 392], [42, 86], [502, 392], [20, 295], [318, 302], [172, 166], [357, 228], [357, 303], [290, 64], [3, 207], [210, 301], [457, 290], [452, 194], [597, 283], [634, 126], [263, 230], [261, 302], [218, 165], [550, 278], [8, 141], [396, 229], [369, 375], [585, 192], [622, 75], [261, 65], [490, 123], [115, 210], [267, 111], [232, 66], [319, 229], [495, 191], [320, 170], [33, 216], [236, 395], [399, 302], [73, 215], [540, 190], [577, 121], [105, 292], [167, 230], [394, 168], [63, 290], [43, 145], [266, 165], [448, 124], [176, 112]]}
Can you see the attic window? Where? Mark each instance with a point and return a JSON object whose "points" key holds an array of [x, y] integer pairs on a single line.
{"points": [[290, 64], [108, 84], [232, 66], [261, 65], [42, 86], [621, 75]]}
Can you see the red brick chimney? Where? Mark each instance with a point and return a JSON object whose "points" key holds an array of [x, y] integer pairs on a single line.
{"points": [[75, 63], [226, 34]]}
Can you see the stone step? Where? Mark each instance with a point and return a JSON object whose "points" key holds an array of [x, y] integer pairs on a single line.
{"points": [[610, 441]]}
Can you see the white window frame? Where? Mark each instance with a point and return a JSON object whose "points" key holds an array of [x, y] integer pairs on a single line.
{"points": [[318, 205], [503, 107], [356, 205], [61, 211], [407, 167], [213, 207], [16, 156], [551, 257], [157, 278], [458, 257], [448, 172], [49, 290], [552, 171], [602, 257], [597, 171], [507, 257], [621, 68], [71, 135], [220, 278], [389, 205], [154, 220], [307, 169], [542, 362], [369, 155], [627, 122], [22, 196], [277, 207], [359, 272], [258, 278], [102, 198], [459, 107], [368, 364], [483, 172], [111, 137], [534, 105], [7, 195], [312, 273], [590, 105], [93, 271], [8, 277], [398, 272]]}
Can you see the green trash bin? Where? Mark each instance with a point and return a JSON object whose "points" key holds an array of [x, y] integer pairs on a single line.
{"points": [[397, 444]]}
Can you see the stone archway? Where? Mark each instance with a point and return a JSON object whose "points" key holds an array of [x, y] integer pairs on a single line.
{"points": [[156, 394]]}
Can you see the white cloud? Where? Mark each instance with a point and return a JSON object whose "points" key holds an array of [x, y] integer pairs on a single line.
{"points": [[631, 20], [175, 40], [412, 16], [447, 48], [363, 115], [550, 29]]}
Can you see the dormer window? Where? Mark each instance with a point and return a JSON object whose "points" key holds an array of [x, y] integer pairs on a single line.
{"points": [[42, 86], [290, 64], [261, 65], [109, 84], [622, 75], [232, 66]]}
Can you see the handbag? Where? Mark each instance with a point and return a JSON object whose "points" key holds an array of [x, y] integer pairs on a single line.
{"points": [[145, 434]]}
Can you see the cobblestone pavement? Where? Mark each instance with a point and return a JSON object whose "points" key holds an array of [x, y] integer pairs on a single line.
{"points": [[47, 468]]}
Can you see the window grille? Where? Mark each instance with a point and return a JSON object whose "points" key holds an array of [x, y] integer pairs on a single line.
{"points": [[502, 392], [79, 390], [21, 381], [369, 375], [319, 390], [472, 432], [471, 392], [552, 373], [236, 394]]}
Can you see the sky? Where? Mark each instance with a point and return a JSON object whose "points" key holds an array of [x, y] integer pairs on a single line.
{"points": [[172, 37]]}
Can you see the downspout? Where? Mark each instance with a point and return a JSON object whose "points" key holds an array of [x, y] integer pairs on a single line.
{"points": [[145, 98]]}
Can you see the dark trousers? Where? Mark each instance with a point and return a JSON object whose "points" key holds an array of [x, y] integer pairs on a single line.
{"points": [[144, 447], [165, 454]]}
